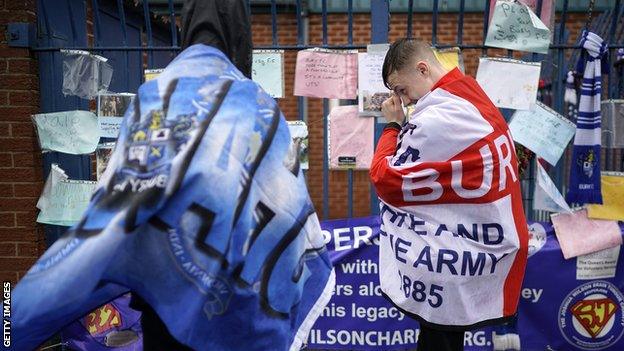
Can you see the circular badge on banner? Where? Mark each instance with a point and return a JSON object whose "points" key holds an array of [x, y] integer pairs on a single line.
{"points": [[590, 317], [537, 238]]}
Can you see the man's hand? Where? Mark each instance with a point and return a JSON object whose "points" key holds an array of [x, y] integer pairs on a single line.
{"points": [[392, 109]]}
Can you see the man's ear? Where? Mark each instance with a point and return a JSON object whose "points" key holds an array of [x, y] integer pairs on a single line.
{"points": [[422, 67]]}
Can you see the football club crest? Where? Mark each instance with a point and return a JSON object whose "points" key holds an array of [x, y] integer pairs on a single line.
{"points": [[590, 317], [587, 162]]}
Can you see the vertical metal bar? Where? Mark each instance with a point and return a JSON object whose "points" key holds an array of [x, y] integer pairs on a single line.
{"points": [[299, 23], [324, 2], [486, 24], [350, 22], [460, 23], [559, 92], [172, 21], [71, 22], [97, 33], [325, 162], [434, 24], [410, 17], [148, 30], [380, 24], [614, 21], [274, 21], [124, 38]]}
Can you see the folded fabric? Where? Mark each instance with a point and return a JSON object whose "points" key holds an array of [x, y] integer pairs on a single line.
{"points": [[580, 235]]}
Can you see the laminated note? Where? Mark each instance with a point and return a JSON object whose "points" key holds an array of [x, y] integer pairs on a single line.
{"points": [[71, 132], [509, 83], [543, 131], [299, 135], [351, 139], [371, 89], [111, 109], [103, 154], [326, 74], [546, 196], [579, 235], [267, 70], [514, 26], [63, 201], [612, 208]]}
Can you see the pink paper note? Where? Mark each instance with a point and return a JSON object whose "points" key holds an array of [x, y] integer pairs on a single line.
{"points": [[331, 75], [580, 235], [350, 136]]}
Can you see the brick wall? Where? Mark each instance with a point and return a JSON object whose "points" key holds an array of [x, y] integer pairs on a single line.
{"points": [[337, 34], [21, 239]]}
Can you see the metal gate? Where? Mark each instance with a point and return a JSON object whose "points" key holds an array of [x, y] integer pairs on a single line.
{"points": [[143, 34]]}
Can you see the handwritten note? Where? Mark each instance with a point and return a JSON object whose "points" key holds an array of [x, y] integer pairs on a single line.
{"points": [[267, 69], [514, 26], [299, 135], [64, 202], [543, 131], [546, 196], [612, 186], [326, 74], [372, 91], [579, 235], [350, 138], [546, 14], [71, 132], [509, 83]]}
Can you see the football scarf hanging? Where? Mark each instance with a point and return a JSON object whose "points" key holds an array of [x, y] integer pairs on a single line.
{"points": [[585, 173], [453, 241]]}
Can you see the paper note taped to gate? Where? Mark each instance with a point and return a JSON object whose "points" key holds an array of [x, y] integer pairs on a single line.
{"points": [[372, 91], [514, 26], [71, 132], [509, 83], [543, 131], [267, 70], [612, 208], [546, 196], [351, 138], [326, 74]]}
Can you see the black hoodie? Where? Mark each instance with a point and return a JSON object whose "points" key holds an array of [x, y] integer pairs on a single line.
{"points": [[223, 24]]}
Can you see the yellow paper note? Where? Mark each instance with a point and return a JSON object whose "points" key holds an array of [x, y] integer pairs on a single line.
{"points": [[612, 198], [150, 74], [449, 58]]}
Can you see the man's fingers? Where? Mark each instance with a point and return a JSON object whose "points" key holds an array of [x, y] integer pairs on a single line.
{"points": [[397, 101]]}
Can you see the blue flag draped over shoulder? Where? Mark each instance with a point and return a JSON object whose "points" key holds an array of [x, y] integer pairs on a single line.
{"points": [[203, 211]]}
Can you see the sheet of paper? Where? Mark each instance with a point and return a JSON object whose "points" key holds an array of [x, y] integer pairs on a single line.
{"points": [[612, 125], [371, 89], [598, 265], [509, 83], [612, 208], [111, 109], [546, 14], [326, 74], [514, 26], [102, 156], [546, 196], [71, 132], [450, 58], [63, 200], [299, 135], [543, 131], [351, 139], [267, 69], [579, 235]]}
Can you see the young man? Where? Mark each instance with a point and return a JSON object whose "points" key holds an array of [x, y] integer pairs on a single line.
{"points": [[454, 237]]}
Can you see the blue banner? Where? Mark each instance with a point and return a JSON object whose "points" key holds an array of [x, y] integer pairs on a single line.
{"points": [[573, 304]]}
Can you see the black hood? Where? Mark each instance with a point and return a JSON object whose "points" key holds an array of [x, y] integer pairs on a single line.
{"points": [[223, 24]]}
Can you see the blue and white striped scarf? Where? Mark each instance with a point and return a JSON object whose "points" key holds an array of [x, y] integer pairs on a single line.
{"points": [[585, 173]]}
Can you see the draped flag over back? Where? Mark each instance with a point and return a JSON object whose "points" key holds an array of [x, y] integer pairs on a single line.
{"points": [[585, 173], [202, 211], [453, 244]]}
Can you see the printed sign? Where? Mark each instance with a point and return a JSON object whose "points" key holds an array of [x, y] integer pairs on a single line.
{"points": [[509, 83], [326, 74], [267, 69], [111, 109], [597, 265]]}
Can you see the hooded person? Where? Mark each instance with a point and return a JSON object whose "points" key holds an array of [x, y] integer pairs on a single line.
{"points": [[202, 211]]}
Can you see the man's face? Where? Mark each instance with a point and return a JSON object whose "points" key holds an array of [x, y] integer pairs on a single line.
{"points": [[412, 82]]}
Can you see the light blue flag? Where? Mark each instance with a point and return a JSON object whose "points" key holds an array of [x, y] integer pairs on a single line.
{"points": [[514, 26], [71, 132], [203, 212]]}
